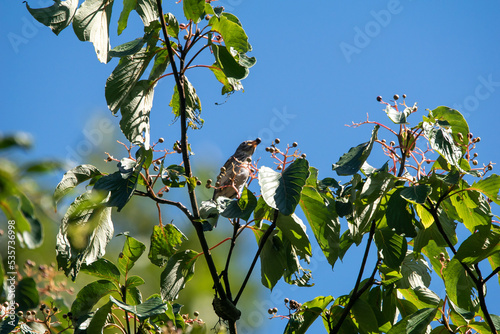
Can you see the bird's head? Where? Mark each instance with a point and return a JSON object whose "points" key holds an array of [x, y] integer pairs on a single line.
{"points": [[246, 149]]}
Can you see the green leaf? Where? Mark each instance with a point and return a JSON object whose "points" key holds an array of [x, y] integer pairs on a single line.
{"points": [[364, 316], [282, 190], [148, 11], [194, 10], [231, 31], [416, 323], [121, 184], [56, 17], [17, 140], [29, 230], [241, 207], [351, 162], [42, 166], [421, 297], [89, 295], [100, 318], [228, 64], [149, 308], [91, 24], [415, 271], [324, 222], [472, 209], [178, 271], [399, 215], [171, 175], [416, 194], [478, 246], [102, 268], [132, 250], [228, 84], [128, 6], [135, 113], [85, 230], [396, 116], [459, 287], [441, 140], [311, 311], [129, 48], [489, 186], [165, 241], [134, 281], [193, 105], [124, 77], [72, 178], [456, 121], [393, 247], [294, 230], [27, 294], [172, 25]]}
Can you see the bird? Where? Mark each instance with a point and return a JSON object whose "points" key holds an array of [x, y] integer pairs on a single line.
{"points": [[235, 172]]}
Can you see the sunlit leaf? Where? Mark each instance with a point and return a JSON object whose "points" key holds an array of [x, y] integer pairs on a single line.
{"points": [[149, 308], [56, 17], [178, 271], [351, 162], [91, 23], [282, 190], [132, 250], [165, 240], [72, 178]]}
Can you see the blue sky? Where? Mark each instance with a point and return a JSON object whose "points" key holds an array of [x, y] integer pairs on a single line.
{"points": [[320, 65]]}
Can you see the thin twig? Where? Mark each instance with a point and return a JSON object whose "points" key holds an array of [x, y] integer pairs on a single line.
{"points": [[357, 292], [225, 272], [261, 246]]}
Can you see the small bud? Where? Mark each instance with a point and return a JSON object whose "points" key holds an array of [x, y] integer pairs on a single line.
{"points": [[396, 97], [207, 17], [478, 139], [460, 136], [303, 156], [270, 311], [222, 169], [294, 144], [474, 162], [217, 184], [108, 159], [64, 316], [379, 98], [196, 313], [392, 143], [279, 167], [277, 140], [198, 182], [156, 168], [20, 313], [404, 96], [475, 155], [469, 135], [209, 181], [490, 167], [275, 310], [287, 300], [383, 141], [161, 140], [249, 160]]}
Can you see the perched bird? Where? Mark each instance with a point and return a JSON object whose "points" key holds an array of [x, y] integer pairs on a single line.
{"points": [[236, 170]]}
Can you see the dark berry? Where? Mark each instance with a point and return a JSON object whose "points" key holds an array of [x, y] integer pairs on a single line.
{"points": [[379, 98]]}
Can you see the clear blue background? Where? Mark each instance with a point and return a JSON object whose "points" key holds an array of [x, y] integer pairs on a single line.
{"points": [[305, 87]]}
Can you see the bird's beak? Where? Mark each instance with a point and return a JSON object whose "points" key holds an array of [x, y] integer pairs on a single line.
{"points": [[256, 142]]}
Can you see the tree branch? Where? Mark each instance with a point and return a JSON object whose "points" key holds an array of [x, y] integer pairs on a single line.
{"points": [[179, 80]]}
